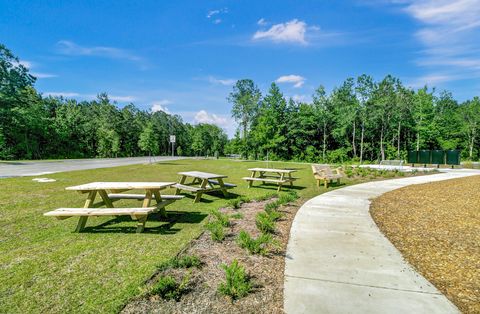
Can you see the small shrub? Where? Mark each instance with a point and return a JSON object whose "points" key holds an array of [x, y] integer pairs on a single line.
{"points": [[220, 217], [274, 214], [287, 198], [234, 203], [237, 283], [216, 231], [265, 223], [266, 197], [187, 261], [237, 216], [169, 289], [254, 246], [272, 206]]}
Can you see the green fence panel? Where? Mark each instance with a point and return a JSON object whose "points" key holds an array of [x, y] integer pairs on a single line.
{"points": [[412, 156], [424, 156], [438, 157], [453, 157]]}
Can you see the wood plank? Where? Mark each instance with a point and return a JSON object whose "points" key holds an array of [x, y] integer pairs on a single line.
{"points": [[267, 180], [226, 185], [187, 187], [202, 175], [120, 186], [273, 170], [100, 211]]}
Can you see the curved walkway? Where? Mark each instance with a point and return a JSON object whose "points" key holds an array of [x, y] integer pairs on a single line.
{"points": [[338, 261]]}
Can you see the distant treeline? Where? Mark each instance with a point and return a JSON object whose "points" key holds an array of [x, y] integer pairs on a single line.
{"points": [[36, 127], [360, 120]]}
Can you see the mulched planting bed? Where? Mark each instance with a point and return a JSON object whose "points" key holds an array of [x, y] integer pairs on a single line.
{"points": [[436, 226], [202, 294]]}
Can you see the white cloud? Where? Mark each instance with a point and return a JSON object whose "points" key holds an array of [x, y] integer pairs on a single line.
{"points": [[121, 98], [204, 117], [72, 49], [300, 98], [29, 65], [448, 32], [262, 22], [43, 75], [225, 82], [217, 14], [161, 106], [289, 32], [431, 80], [62, 94], [297, 80]]}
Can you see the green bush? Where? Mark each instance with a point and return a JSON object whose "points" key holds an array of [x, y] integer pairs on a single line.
{"points": [[235, 203], [222, 218], [237, 283], [287, 198], [169, 289], [272, 206], [236, 216], [265, 223], [254, 246], [266, 197], [216, 231], [274, 214], [187, 261]]}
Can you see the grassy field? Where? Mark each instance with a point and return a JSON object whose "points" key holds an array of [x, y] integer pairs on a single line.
{"points": [[45, 267]]}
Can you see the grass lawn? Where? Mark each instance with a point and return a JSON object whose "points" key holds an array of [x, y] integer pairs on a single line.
{"points": [[45, 267]]}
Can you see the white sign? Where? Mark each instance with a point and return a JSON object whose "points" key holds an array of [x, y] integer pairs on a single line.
{"points": [[172, 138]]}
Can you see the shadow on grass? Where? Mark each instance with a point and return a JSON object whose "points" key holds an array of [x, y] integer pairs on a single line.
{"points": [[218, 194], [173, 217], [274, 187]]}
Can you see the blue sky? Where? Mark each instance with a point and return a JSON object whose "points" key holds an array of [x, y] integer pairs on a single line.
{"points": [[184, 56]]}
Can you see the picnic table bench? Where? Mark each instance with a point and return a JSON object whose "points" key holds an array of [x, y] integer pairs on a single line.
{"points": [[271, 175], [202, 182], [110, 191]]}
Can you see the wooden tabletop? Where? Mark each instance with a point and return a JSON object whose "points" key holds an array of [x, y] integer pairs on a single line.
{"points": [[120, 186], [272, 170], [202, 175]]}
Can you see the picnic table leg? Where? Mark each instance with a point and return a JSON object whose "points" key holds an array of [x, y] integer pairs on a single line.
{"points": [[252, 176], [280, 183], [147, 199], [262, 174], [199, 193], [182, 181], [82, 221], [222, 187], [158, 199], [291, 179], [141, 223], [105, 198]]}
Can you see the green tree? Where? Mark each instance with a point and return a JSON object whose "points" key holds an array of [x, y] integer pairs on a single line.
{"points": [[245, 99], [148, 141]]}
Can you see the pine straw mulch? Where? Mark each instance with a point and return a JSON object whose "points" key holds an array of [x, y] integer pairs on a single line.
{"points": [[436, 226], [266, 271]]}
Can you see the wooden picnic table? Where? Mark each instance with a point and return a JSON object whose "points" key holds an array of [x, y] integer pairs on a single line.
{"points": [[110, 191], [202, 182], [271, 175]]}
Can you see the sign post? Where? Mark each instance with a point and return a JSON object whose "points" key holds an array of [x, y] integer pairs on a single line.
{"points": [[172, 140]]}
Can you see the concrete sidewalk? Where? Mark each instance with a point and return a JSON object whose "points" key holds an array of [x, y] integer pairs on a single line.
{"points": [[338, 261], [38, 168]]}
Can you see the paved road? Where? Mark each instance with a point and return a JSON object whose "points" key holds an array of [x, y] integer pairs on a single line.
{"points": [[338, 261], [38, 168]]}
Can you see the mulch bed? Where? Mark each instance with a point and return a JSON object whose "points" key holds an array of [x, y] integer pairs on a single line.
{"points": [[436, 226], [203, 297]]}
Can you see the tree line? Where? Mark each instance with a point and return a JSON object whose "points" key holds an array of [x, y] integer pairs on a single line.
{"points": [[37, 127], [360, 120]]}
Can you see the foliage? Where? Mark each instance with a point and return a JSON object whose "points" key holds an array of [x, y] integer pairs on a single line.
{"points": [[237, 216], [265, 223], [254, 246], [187, 261], [169, 289], [220, 217], [217, 232], [237, 284], [236, 203]]}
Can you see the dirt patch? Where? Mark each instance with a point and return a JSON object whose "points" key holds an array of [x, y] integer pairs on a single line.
{"points": [[436, 226], [266, 271]]}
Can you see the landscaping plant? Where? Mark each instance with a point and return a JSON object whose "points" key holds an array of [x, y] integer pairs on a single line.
{"points": [[254, 246], [237, 284], [216, 231], [169, 289], [265, 223]]}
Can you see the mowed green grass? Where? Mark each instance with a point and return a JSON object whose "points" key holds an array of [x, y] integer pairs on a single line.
{"points": [[46, 267]]}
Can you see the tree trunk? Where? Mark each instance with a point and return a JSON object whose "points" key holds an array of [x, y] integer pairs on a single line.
{"points": [[382, 151], [418, 141], [353, 140], [472, 141], [398, 140], [324, 140], [361, 143]]}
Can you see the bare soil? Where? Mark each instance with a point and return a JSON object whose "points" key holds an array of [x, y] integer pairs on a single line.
{"points": [[266, 271], [436, 226]]}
